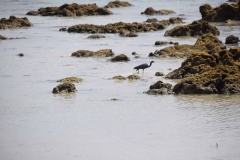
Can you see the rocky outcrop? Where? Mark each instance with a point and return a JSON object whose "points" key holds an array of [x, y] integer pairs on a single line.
{"points": [[130, 77], [151, 11], [96, 36], [126, 33], [173, 20], [116, 4], [73, 9], [203, 73], [207, 42], [14, 22], [221, 13], [71, 79], [87, 53], [2, 37], [196, 28], [64, 88], [160, 88], [232, 39], [120, 58], [118, 27]]}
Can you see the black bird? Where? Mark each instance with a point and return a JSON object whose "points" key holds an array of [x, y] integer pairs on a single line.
{"points": [[143, 66]]}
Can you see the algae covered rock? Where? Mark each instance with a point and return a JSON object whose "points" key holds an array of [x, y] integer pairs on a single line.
{"points": [[73, 9], [151, 11], [221, 13], [119, 77], [120, 58], [116, 4], [66, 87], [160, 88], [232, 39], [196, 28], [133, 77], [14, 22], [87, 53], [96, 36], [207, 43], [71, 79], [159, 74]]}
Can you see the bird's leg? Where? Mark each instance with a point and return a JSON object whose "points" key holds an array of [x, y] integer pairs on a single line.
{"points": [[143, 70]]}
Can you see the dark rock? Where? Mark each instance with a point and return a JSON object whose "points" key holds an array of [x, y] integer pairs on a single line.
{"points": [[174, 20], [14, 22], [114, 99], [150, 20], [232, 39], [161, 42], [159, 74], [63, 29], [160, 88], [96, 36], [64, 88], [137, 57], [73, 9], [20, 54], [151, 11], [71, 79], [87, 53], [120, 58], [134, 53], [116, 4], [196, 28], [221, 13]]}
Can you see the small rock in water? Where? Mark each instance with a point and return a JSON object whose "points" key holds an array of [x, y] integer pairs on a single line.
{"points": [[159, 74], [20, 54]]}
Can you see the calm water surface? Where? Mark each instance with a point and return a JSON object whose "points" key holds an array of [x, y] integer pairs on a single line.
{"points": [[87, 125]]}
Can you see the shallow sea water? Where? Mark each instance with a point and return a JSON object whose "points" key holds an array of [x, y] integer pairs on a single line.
{"points": [[36, 124]]}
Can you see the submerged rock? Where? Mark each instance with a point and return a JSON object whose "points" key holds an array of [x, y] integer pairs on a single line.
{"points": [[130, 77], [120, 58], [64, 88], [87, 53], [14, 22], [151, 11], [232, 40], [160, 88], [20, 54], [161, 43], [119, 77], [96, 36], [73, 9], [207, 42], [196, 28], [71, 79], [203, 73], [116, 4], [221, 13]]}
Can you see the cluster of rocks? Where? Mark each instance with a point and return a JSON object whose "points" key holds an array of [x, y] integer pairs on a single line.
{"points": [[130, 77], [119, 27], [73, 9], [221, 13], [159, 43], [151, 11], [87, 53], [116, 4], [96, 36], [172, 20], [196, 28], [207, 42], [67, 85], [14, 22], [160, 88]]}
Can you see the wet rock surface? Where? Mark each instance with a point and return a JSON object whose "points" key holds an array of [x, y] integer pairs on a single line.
{"points": [[207, 42], [3, 37], [96, 36], [14, 22], [130, 77], [232, 39], [87, 53], [74, 9], [120, 58], [151, 11], [116, 4], [119, 27], [196, 28], [159, 74], [64, 88], [221, 13], [160, 88], [71, 79], [218, 73]]}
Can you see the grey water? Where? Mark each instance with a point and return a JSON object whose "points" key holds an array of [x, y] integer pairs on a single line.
{"points": [[36, 124]]}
